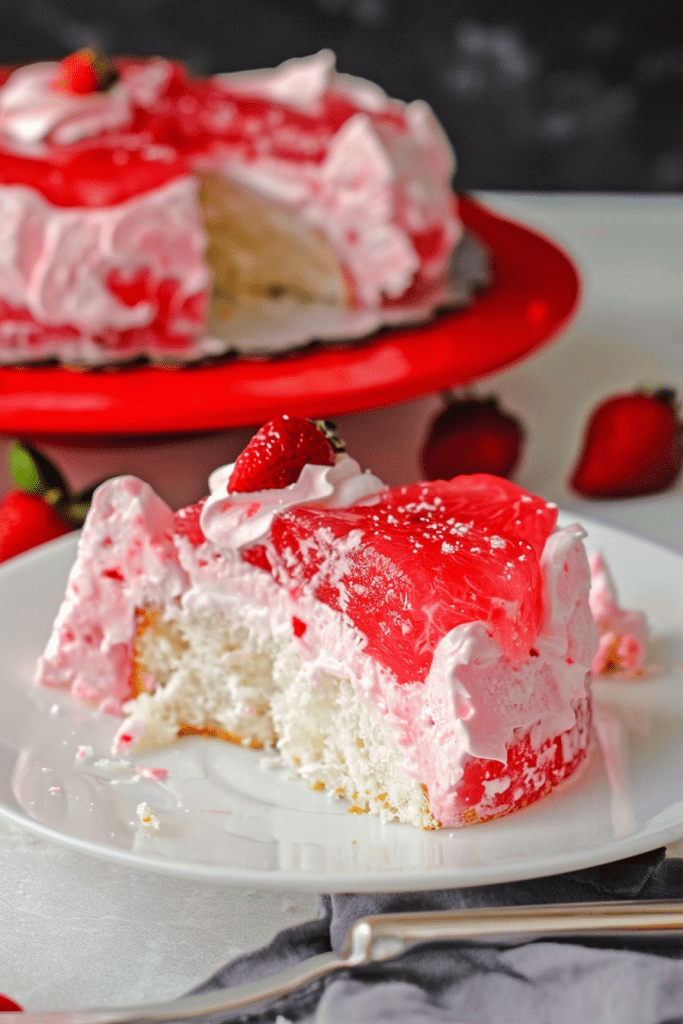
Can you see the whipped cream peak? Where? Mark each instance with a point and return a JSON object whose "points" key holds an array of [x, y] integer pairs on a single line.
{"points": [[299, 82], [624, 633], [240, 519]]}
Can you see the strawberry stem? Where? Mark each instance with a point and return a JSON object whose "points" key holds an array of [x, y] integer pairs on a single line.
{"points": [[666, 395], [33, 472], [329, 431]]}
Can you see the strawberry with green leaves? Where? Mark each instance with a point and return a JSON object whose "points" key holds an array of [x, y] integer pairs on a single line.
{"points": [[41, 507]]}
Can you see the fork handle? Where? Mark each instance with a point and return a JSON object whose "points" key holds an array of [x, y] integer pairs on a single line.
{"points": [[382, 936]]}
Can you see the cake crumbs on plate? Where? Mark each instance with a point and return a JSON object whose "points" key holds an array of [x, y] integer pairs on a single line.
{"points": [[121, 767], [147, 816], [155, 774]]}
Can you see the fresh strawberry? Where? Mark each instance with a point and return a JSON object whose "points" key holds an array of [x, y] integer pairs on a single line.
{"points": [[278, 452], [85, 71], [631, 446], [41, 507], [26, 521], [8, 1005], [472, 435]]}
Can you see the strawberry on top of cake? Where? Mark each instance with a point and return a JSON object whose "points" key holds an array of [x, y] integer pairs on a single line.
{"points": [[423, 651], [145, 211]]}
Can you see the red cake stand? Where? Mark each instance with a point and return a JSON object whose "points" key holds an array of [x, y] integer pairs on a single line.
{"points": [[534, 292], [129, 411]]}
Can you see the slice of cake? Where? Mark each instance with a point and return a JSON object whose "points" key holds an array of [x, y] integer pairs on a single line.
{"points": [[423, 651], [146, 212]]}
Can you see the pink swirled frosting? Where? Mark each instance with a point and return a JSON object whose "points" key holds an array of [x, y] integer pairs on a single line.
{"points": [[623, 634]]}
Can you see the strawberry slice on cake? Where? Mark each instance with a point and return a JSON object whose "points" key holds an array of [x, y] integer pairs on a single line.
{"points": [[423, 651]]}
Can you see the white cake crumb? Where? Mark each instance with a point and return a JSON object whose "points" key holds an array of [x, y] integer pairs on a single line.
{"points": [[108, 764], [147, 816], [84, 751]]}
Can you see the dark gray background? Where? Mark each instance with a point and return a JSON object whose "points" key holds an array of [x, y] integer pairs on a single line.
{"points": [[540, 95]]}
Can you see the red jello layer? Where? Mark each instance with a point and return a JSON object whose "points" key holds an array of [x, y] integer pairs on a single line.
{"points": [[422, 560], [530, 773]]}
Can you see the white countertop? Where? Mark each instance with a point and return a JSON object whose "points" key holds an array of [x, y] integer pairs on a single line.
{"points": [[83, 932]]}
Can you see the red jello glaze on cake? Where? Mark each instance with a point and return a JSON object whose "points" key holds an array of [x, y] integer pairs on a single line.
{"points": [[424, 559], [113, 164]]}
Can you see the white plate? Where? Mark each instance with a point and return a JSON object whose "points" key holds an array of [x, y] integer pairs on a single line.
{"points": [[224, 816]]}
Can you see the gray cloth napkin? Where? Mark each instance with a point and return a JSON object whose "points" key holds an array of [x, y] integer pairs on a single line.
{"points": [[595, 981]]}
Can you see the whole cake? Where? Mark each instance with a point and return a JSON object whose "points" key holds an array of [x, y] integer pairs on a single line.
{"points": [[423, 651], [146, 212]]}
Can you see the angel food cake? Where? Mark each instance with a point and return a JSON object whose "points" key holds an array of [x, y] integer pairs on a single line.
{"points": [[145, 212], [423, 651]]}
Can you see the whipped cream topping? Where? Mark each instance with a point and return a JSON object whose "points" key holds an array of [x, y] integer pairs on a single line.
{"points": [[377, 186], [32, 107], [623, 634], [299, 82], [476, 700], [126, 560], [238, 520], [58, 263]]}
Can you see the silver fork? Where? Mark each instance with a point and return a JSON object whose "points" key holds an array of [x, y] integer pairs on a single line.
{"points": [[385, 936]]}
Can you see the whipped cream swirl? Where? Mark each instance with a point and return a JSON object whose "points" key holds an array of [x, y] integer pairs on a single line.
{"points": [[238, 520], [33, 108]]}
